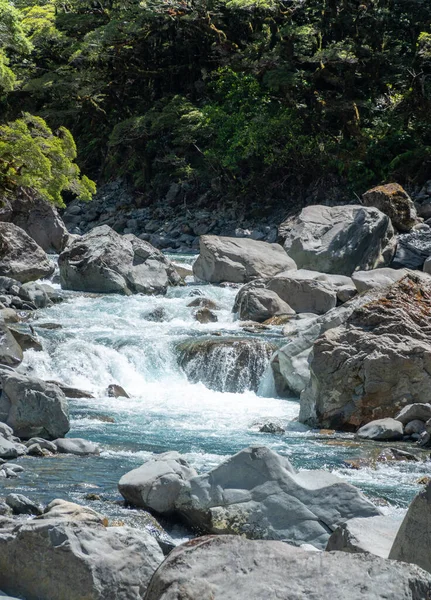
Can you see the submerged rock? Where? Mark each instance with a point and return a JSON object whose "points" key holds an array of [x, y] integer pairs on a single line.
{"points": [[257, 493], [225, 364], [238, 260], [339, 239], [375, 363], [76, 446], [156, 485], [104, 261], [234, 568], [116, 391]]}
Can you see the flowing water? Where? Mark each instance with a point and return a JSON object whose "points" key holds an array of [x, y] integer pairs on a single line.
{"points": [[112, 339]]}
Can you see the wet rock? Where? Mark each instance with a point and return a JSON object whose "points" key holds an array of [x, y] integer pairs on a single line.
{"points": [[223, 259], [202, 302], [71, 392], [25, 337], [32, 407], [37, 450], [225, 567], [424, 439], [20, 257], [205, 315], [227, 364], [104, 261], [412, 543], [49, 325], [156, 485], [9, 315], [35, 294], [278, 320], [373, 535], [158, 315], [71, 561], [260, 304], [271, 428], [257, 493], [412, 250], [368, 280], [76, 446], [378, 361], [10, 351], [116, 391], [10, 449], [394, 201], [411, 412], [183, 270], [21, 505], [339, 239], [42, 443], [382, 430], [415, 426], [403, 455]]}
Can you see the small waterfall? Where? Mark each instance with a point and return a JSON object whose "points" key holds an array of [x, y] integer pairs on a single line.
{"points": [[227, 364]]}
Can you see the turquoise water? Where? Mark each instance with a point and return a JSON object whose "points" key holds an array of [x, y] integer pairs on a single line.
{"points": [[109, 339]]}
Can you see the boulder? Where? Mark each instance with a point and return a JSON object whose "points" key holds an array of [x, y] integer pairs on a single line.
{"points": [[259, 304], [76, 446], [10, 350], [257, 493], [375, 363], [225, 364], [368, 280], [106, 262], [20, 257], [374, 535], [234, 568], [238, 260], [394, 201], [21, 505], [412, 543], [415, 426], [10, 449], [71, 513], [116, 391], [205, 315], [36, 294], [54, 559], [156, 484], [33, 407], [71, 392], [382, 430], [39, 219], [339, 239], [415, 411], [25, 337], [412, 250]]}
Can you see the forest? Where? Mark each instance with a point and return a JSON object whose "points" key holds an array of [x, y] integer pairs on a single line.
{"points": [[247, 99]]}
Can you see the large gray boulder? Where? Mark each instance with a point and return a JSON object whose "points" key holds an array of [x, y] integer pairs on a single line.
{"points": [[412, 543], [413, 249], [106, 262], [239, 260], [53, 559], [339, 239], [368, 280], [394, 201], [10, 351], [234, 568], [375, 363], [374, 535], [412, 412], [257, 493], [76, 446], [381, 430], [10, 449], [20, 257], [156, 484], [33, 407], [225, 364], [40, 220], [259, 304]]}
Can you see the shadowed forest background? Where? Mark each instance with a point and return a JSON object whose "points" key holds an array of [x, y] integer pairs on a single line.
{"points": [[230, 99]]}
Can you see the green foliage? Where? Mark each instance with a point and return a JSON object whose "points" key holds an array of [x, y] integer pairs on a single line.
{"points": [[32, 156]]}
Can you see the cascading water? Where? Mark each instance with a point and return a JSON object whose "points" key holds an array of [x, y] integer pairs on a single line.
{"points": [[114, 339]]}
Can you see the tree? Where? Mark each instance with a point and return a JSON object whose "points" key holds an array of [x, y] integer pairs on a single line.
{"points": [[32, 156]]}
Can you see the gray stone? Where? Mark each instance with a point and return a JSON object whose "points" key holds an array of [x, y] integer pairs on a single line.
{"points": [[234, 568], [259, 304], [411, 412], [257, 493], [76, 446], [415, 426], [10, 351], [412, 543], [205, 315], [42, 443], [32, 407], [238, 260], [21, 505], [394, 201], [77, 561], [382, 430], [116, 391], [378, 361], [412, 250], [20, 257], [374, 535], [36, 294], [368, 280], [9, 449], [339, 239], [104, 261], [157, 483], [71, 513], [25, 337], [71, 392], [304, 295]]}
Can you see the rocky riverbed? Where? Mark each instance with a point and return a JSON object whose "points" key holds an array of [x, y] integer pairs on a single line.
{"points": [[249, 390]]}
